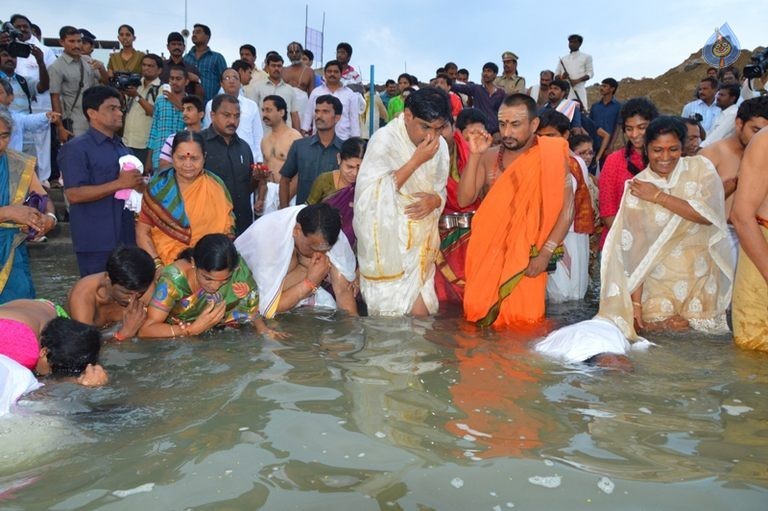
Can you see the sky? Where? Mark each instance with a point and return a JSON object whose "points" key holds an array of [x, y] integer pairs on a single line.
{"points": [[627, 39]]}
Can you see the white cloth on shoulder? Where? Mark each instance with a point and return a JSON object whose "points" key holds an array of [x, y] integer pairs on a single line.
{"points": [[581, 341], [15, 381], [267, 246]]}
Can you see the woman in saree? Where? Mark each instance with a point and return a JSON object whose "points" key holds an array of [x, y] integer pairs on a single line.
{"points": [[183, 203], [666, 260], [337, 187], [207, 286], [18, 220]]}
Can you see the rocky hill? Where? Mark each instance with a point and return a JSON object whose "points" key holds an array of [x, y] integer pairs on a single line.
{"points": [[671, 90]]}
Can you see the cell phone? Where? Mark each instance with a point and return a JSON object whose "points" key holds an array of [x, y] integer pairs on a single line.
{"points": [[165, 87]]}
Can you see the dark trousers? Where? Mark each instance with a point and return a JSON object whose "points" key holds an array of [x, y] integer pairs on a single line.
{"points": [[92, 262]]}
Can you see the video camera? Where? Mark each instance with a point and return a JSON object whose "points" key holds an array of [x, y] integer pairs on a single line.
{"points": [[124, 79], [759, 66], [16, 47]]}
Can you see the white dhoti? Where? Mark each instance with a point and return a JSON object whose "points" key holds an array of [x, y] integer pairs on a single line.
{"points": [[272, 199], [581, 341], [15, 381], [267, 247], [397, 254]]}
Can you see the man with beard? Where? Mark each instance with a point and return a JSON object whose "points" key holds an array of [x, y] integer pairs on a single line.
{"points": [[540, 91], [521, 221], [274, 147], [176, 51], [297, 74], [558, 91]]}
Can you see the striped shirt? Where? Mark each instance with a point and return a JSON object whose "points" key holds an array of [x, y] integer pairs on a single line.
{"points": [[210, 65]]}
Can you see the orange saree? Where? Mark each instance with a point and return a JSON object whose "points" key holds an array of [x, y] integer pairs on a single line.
{"points": [[518, 213]]}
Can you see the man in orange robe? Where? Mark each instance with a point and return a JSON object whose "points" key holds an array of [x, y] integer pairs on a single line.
{"points": [[521, 221]]}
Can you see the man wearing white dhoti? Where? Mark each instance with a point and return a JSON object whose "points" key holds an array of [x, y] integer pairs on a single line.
{"points": [[292, 252], [399, 195]]}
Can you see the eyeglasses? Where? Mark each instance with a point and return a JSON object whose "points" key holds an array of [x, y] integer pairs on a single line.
{"points": [[5, 135]]}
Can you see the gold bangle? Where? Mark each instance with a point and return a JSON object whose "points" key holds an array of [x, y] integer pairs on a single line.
{"points": [[656, 196]]}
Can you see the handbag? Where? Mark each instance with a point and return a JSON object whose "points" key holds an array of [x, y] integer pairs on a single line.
{"points": [[39, 202]]}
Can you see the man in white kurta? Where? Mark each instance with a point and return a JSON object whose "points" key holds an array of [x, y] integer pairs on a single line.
{"points": [[399, 195], [576, 67]]}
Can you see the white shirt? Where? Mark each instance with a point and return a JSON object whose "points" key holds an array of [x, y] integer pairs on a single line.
{"points": [[28, 68], [349, 124], [724, 126], [249, 129], [708, 112], [577, 64]]}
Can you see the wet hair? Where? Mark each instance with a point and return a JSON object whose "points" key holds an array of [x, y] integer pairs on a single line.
{"points": [[66, 31], [273, 57], [665, 125], [71, 346], [320, 218], [239, 65], [7, 87], [471, 116], [555, 119], [329, 99], [610, 82], [249, 47], [206, 29], [308, 53], [279, 103], [174, 37], [638, 106], [695, 120], [407, 77], [94, 97], [187, 136], [332, 63], [751, 108], [131, 267], [576, 37], [429, 104], [346, 47], [446, 77], [734, 90], [492, 66], [390, 82], [353, 147], [158, 60], [195, 101], [178, 67], [5, 118], [562, 85], [213, 252], [130, 29], [223, 98], [575, 141], [522, 99]]}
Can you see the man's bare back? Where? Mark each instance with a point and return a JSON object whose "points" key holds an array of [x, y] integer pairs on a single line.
{"points": [[726, 156], [275, 146], [90, 301]]}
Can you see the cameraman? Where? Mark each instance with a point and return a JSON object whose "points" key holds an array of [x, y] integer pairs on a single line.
{"points": [[756, 86], [140, 105]]}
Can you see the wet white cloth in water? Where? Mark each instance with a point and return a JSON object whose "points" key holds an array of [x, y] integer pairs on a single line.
{"points": [[15, 381], [267, 246], [582, 341]]}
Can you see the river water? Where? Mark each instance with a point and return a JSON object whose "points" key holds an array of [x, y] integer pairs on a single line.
{"points": [[390, 414]]}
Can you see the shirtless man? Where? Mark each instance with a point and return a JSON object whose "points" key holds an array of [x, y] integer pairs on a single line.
{"points": [[274, 147], [750, 218], [298, 74], [726, 154], [117, 295]]}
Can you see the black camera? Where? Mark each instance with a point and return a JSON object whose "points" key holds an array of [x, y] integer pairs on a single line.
{"points": [[16, 47], [123, 80], [759, 66]]}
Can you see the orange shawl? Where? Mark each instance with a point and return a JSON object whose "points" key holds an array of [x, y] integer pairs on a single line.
{"points": [[583, 213], [519, 212]]}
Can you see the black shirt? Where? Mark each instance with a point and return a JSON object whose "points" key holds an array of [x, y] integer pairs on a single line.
{"points": [[191, 68], [232, 163], [309, 158]]}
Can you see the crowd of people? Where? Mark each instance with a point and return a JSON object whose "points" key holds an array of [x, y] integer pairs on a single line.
{"points": [[203, 195]]}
